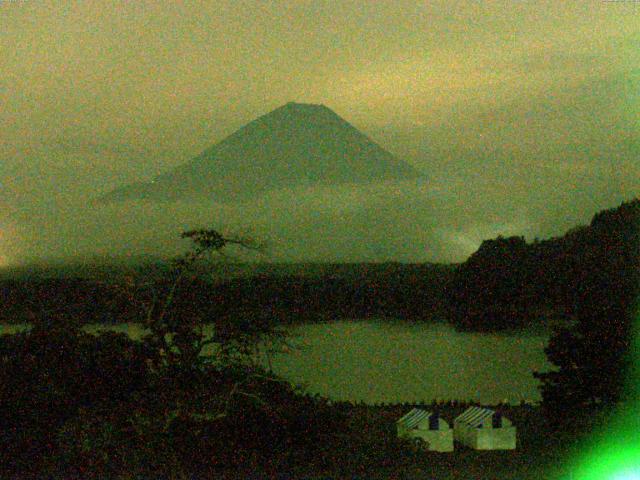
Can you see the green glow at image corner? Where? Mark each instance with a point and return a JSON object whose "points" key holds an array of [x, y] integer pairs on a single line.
{"points": [[621, 463], [615, 453], [628, 475]]}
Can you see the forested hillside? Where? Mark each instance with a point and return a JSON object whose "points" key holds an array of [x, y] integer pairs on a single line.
{"points": [[508, 282]]}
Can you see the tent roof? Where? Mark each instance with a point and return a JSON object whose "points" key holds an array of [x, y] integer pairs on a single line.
{"points": [[414, 417], [475, 416]]}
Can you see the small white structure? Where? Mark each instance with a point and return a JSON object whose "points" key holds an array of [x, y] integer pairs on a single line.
{"points": [[484, 429], [427, 426]]}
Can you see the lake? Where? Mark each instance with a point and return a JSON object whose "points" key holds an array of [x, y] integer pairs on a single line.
{"points": [[379, 361]]}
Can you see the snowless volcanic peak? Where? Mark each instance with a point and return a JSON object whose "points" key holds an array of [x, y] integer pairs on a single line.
{"points": [[295, 144]]}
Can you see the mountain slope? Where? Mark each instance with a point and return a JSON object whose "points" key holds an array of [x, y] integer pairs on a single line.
{"points": [[295, 144]]}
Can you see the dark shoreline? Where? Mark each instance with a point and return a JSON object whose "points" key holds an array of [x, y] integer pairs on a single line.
{"points": [[289, 295]]}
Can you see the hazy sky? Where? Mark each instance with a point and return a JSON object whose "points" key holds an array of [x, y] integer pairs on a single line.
{"points": [[524, 115]]}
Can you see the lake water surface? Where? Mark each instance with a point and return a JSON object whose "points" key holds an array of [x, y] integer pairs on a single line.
{"points": [[379, 361], [376, 361]]}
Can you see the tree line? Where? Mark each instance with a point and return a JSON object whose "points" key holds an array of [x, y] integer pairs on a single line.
{"points": [[509, 283], [412, 291]]}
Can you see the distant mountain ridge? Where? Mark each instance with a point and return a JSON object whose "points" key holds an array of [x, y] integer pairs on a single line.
{"points": [[293, 145]]}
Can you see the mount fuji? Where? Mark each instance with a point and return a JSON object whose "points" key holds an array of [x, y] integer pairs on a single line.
{"points": [[294, 145]]}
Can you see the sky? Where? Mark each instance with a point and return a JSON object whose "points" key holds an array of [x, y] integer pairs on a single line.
{"points": [[524, 116]]}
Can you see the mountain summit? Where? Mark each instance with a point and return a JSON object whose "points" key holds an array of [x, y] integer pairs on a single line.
{"points": [[295, 144]]}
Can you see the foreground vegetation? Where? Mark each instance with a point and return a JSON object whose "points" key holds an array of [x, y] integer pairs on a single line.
{"points": [[76, 405]]}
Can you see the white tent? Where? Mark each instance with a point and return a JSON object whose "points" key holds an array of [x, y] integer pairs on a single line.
{"points": [[427, 426], [484, 429]]}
